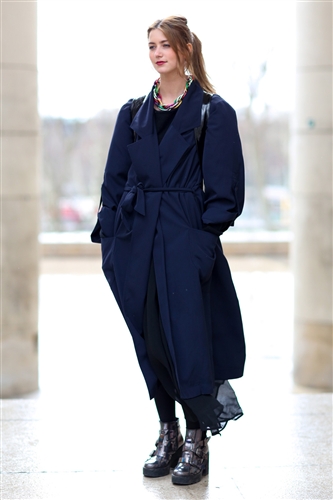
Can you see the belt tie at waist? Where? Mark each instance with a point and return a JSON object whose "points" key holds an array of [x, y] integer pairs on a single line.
{"points": [[135, 197]]}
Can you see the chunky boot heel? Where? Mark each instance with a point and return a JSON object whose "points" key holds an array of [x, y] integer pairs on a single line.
{"points": [[194, 462], [167, 452]]}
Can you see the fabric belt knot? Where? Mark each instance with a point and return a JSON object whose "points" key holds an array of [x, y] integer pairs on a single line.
{"points": [[135, 200]]}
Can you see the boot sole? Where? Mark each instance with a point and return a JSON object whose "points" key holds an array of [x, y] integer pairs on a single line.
{"points": [[163, 471], [156, 472], [186, 480], [190, 479]]}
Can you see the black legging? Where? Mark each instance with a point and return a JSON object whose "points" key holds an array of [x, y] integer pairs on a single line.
{"points": [[166, 409]]}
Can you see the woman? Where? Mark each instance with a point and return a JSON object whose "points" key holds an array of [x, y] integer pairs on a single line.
{"points": [[163, 208]]}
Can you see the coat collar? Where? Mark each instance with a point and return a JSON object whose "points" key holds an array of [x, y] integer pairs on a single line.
{"points": [[187, 117], [157, 162]]}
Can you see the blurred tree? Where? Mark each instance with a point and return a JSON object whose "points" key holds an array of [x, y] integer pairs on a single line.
{"points": [[74, 155]]}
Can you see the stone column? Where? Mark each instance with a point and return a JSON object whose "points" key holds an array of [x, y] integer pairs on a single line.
{"points": [[19, 199], [312, 196]]}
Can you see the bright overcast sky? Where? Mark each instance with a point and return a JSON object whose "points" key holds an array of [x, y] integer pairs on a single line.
{"points": [[93, 54]]}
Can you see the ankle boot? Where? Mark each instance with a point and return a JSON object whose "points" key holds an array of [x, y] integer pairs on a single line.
{"points": [[167, 452], [194, 462]]}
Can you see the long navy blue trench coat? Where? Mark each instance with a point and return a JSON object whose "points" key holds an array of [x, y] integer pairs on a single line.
{"points": [[154, 209]]}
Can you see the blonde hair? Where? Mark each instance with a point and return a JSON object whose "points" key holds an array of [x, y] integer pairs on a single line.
{"points": [[179, 36]]}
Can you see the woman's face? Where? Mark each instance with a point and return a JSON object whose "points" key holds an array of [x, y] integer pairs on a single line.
{"points": [[162, 56]]}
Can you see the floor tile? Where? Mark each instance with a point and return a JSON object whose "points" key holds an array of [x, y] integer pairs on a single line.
{"points": [[284, 483]]}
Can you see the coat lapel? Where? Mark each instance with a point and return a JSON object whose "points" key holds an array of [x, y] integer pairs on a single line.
{"points": [[143, 122], [189, 113], [144, 152]]}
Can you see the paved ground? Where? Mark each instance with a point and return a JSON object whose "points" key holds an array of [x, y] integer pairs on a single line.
{"points": [[86, 433]]}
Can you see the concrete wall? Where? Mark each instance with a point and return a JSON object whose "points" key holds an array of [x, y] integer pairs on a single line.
{"points": [[312, 195], [19, 199]]}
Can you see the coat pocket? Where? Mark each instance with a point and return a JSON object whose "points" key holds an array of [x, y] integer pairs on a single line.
{"points": [[202, 246], [106, 220]]}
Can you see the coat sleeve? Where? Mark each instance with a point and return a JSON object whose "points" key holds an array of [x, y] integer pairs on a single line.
{"points": [[223, 167], [115, 174]]}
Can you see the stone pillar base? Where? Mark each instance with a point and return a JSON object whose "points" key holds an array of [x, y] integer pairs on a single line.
{"points": [[19, 368], [313, 355]]}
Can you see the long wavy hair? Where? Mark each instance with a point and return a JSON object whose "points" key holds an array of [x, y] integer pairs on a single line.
{"points": [[179, 36]]}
